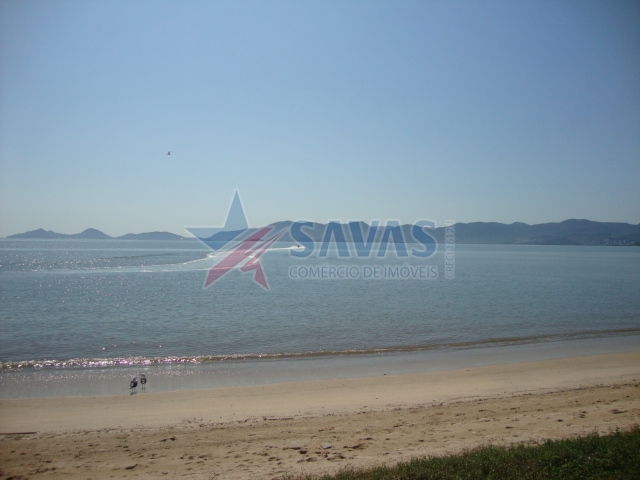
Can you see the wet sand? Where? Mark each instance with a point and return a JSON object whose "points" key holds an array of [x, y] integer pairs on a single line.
{"points": [[316, 426]]}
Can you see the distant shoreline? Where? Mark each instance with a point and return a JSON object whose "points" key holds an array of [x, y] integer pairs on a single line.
{"points": [[568, 232], [118, 239], [94, 234]]}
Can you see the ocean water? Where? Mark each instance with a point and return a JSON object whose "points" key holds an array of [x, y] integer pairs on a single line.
{"points": [[82, 317]]}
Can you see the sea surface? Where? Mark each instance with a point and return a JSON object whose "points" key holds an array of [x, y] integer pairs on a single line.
{"points": [[83, 317]]}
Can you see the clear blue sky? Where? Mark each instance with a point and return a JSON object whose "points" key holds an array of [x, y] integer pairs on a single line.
{"points": [[348, 110]]}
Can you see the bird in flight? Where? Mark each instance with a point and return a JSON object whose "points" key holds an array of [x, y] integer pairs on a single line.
{"points": [[169, 152]]}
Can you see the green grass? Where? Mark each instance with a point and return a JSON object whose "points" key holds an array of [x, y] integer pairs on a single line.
{"points": [[613, 456]]}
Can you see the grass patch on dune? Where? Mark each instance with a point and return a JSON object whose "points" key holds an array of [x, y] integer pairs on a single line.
{"points": [[612, 456]]}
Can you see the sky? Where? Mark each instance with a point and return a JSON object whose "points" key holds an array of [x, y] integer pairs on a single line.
{"points": [[497, 111]]}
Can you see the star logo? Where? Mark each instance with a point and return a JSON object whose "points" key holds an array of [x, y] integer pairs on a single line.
{"points": [[238, 245]]}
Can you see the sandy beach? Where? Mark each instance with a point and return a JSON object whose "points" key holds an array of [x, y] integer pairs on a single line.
{"points": [[316, 426]]}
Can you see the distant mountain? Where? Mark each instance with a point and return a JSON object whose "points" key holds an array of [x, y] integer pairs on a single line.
{"points": [[39, 233], [88, 234], [569, 232], [151, 236], [93, 234]]}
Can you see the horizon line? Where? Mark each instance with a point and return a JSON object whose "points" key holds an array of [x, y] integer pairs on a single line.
{"points": [[188, 235]]}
